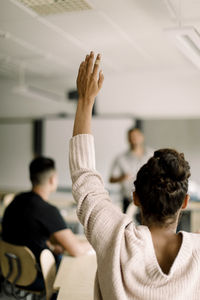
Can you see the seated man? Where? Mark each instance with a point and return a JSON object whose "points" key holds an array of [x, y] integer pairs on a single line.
{"points": [[31, 221]]}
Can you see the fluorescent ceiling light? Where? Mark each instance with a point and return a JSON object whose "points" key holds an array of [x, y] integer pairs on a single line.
{"points": [[171, 9], [187, 39], [37, 93]]}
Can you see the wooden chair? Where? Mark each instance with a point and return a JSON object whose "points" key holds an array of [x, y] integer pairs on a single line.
{"points": [[19, 268], [48, 267], [7, 199]]}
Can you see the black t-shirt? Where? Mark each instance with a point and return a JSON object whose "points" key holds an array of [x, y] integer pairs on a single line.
{"points": [[30, 221]]}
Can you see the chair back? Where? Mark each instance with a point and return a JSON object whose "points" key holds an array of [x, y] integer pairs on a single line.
{"points": [[8, 198], [18, 264], [48, 266]]}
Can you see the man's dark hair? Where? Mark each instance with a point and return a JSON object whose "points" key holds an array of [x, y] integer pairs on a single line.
{"points": [[40, 168], [161, 185]]}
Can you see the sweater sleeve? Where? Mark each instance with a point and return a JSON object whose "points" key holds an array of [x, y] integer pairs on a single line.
{"points": [[100, 218]]}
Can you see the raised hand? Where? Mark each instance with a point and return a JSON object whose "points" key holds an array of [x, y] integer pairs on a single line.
{"points": [[89, 83], [89, 80]]}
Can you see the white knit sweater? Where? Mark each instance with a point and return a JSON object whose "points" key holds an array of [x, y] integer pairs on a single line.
{"points": [[127, 264]]}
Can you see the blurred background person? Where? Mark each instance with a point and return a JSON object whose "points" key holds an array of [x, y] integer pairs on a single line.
{"points": [[126, 165]]}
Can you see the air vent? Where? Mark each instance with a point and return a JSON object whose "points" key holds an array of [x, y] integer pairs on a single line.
{"points": [[51, 7]]}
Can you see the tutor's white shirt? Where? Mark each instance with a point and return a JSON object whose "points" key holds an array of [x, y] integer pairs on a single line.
{"points": [[128, 163]]}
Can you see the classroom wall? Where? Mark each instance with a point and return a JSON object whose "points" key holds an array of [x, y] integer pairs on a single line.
{"points": [[15, 155], [183, 135], [152, 94]]}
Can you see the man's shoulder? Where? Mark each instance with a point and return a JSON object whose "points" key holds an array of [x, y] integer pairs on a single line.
{"points": [[27, 196], [32, 199], [19, 197], [34, 204], [24, 194], [50, 206], [46, 207], [17, 205]]}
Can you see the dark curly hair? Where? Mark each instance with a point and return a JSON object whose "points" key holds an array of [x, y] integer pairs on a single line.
{"points": [[161, 185]]}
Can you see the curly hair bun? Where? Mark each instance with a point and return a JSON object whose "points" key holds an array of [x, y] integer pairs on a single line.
{"points": [[172, 164]]}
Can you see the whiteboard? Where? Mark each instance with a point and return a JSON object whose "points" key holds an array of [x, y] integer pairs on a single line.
{"points": [[15, 156], [110, 140]]}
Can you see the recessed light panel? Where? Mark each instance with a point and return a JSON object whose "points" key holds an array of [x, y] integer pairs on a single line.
{"points": [[51, 7]]}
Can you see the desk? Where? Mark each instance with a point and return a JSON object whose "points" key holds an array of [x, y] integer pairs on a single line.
{"points": [[75, 278]]}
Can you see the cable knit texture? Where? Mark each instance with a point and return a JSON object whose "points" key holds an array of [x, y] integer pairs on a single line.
{"points": [[127, 264]]}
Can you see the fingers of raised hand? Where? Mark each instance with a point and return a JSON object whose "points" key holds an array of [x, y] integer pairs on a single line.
{"points": [[86, 61], [96, 67], [101, 79], [89, 64], [81, 75], [80, 71]]}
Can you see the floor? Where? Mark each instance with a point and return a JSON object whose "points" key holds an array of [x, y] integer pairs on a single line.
{"points": [[3, 296]]}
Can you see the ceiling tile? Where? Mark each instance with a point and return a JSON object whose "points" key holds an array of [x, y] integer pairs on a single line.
{"points": [[11, 12]]}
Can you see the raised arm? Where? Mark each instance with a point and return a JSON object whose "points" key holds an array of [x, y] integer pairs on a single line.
{"points": [[100, 218], [89, 83]]}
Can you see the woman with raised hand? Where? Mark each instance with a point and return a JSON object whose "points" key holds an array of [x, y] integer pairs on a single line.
{"points": [[146, 262]]}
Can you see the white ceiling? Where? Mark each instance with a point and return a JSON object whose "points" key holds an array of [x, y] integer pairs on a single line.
{"points": [[129, 34]]}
